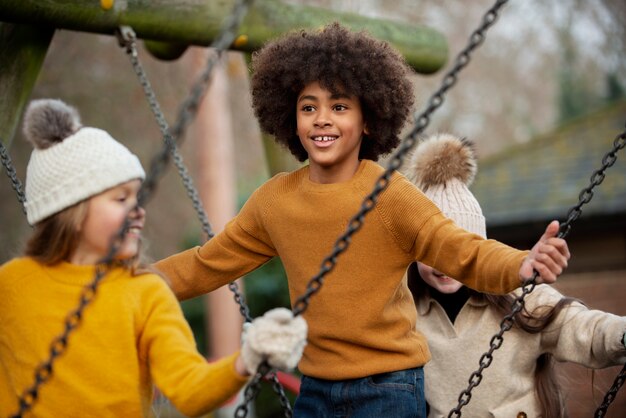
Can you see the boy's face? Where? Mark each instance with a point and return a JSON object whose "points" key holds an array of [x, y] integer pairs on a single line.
{"points": [[330, 128]]}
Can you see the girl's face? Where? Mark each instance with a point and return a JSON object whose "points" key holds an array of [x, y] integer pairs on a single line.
{"points": [[106, 213], [437, 280], [330, 128]]}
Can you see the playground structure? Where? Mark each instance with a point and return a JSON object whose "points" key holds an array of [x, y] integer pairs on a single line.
{"points": [[422, 122]]}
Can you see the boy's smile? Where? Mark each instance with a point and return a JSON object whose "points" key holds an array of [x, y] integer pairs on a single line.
{"points": [[330, 128], [324, 140]]}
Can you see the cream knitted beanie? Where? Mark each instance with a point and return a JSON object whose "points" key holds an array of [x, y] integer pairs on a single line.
{"points": [[70, 163], [443, 167]]}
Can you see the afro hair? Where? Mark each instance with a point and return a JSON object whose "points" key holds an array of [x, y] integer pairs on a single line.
{"points": [[342, 61]]}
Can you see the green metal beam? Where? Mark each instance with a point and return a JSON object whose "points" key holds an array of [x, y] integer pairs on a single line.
{"points": [[197, 22], [168, 26]]}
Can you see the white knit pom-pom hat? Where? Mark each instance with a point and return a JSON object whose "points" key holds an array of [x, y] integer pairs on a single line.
{"points": [[70, 163], [443, 166]]}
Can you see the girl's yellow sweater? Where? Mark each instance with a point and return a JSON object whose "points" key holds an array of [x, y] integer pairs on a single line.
{"points": [[132, 335]]}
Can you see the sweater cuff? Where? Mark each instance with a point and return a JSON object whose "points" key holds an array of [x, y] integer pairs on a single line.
{"points": [[232, 360]]}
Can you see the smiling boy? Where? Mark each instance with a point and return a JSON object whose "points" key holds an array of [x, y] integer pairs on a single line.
{"points": [[339, 99]]}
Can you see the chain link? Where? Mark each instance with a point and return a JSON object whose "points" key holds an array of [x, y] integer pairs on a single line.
{"points": [[128, 40], [610, 395], [187, 113], [421, 122], [43, 372], [58, 346], [253, 388], [609, 159], [175, 136], [10, 170]]}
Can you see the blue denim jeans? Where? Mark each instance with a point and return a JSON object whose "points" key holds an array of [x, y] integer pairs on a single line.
{"points": [[389, 395]]}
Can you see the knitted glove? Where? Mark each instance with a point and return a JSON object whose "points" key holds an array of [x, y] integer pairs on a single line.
{"points": [[277, 337]]}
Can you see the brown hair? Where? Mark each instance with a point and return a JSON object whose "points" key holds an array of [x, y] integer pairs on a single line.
{"points": [[341, 60], [547, 386], [55, 238]]}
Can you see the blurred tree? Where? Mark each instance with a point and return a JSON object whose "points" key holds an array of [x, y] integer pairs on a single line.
{"points": [[614, 89]]}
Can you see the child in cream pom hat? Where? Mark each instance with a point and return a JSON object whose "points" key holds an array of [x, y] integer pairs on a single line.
{"points": [[443, 167], [81, 186], [459, 322]]}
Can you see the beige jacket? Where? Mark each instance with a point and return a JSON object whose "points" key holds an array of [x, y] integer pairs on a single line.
{"points": [[588, 337]]}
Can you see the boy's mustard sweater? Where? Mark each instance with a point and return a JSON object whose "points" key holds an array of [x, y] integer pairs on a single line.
{"points": [[362, 321], [132, 334]]}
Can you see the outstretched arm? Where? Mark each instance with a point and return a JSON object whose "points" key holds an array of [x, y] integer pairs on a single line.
{"points": [[549, 256], [166, 344], [592, 338], [241, 247]]}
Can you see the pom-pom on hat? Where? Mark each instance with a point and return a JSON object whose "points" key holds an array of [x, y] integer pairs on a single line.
{"points": [[443, 166], [70, 163]]}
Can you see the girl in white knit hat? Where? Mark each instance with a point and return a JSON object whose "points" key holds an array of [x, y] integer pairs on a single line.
{"points": [[459, 322], [81, 186]]}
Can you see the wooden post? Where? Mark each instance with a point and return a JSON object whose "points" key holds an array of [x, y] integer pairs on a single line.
{"points": [[217, 186]]}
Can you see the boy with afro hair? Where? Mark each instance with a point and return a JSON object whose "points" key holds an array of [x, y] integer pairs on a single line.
{"points": [[339, 99]]}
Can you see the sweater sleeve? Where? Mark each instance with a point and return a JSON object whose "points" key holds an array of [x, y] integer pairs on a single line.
{"points": [[428, 236], [241, 247], [166, 342], [591, 338]]}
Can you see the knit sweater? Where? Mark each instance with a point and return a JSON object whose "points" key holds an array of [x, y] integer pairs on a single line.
{"points": [[588, 337], [362, 321], [133, 333]]}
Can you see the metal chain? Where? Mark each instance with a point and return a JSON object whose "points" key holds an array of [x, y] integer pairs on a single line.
{"points": [[421, 122], [610, 395], [187, 113], [43, 372], [574, 213], [495, 343], [175, 136], [586, 195], [250, 393], [128, 40], [59, 345], [252, 390], [15, 181], [278, 388], [597, 177]]}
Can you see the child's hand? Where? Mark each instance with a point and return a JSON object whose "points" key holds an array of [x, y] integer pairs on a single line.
{"points": [[548, 256], [276, 337]]}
